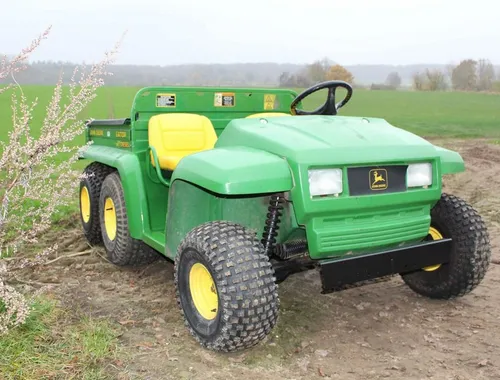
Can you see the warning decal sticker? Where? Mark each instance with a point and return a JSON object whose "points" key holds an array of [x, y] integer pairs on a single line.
{"points": [[165, 100], [269, 100], [224, 99]]}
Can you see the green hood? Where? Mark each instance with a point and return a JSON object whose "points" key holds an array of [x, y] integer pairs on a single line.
{"points": [[328, 139]]}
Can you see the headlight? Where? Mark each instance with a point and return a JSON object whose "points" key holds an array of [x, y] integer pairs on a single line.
{"points": [[419, 175], [325, 181]]}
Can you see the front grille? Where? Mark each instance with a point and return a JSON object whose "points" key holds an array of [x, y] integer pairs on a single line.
{"points": [[371, 231]]}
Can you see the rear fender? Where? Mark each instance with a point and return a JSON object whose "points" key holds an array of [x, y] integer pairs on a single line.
{"points": [[128, 166]]}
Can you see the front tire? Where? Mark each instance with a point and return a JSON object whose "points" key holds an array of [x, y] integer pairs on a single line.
{"points": [[120, 247], [225, 287], [470, 257]]}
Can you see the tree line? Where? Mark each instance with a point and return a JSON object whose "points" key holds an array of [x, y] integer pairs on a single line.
{"points": [[468, 75], [420, 77], [325, 69]]}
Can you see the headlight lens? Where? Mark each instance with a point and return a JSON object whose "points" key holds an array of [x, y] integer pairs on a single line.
{"points": [[419, 175], [325, 181]]}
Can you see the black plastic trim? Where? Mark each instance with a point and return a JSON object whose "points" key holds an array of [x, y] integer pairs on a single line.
{"points": [[337, 273], [109, 122]]}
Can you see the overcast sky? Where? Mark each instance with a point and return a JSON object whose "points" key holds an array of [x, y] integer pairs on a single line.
{"points": [[165, 32]]}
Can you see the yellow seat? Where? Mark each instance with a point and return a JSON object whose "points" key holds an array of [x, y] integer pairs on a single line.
{"points": [[267, 114], [177, 135]]}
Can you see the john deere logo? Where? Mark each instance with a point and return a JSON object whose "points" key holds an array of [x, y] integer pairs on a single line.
{"points": [[378, 179]]}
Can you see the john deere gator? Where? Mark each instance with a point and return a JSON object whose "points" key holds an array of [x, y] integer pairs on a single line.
{"points": [[241, 187]]}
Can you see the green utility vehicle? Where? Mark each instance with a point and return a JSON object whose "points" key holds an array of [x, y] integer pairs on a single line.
{"points": [[242, 187]]}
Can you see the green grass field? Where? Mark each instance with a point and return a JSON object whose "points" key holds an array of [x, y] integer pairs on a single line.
{"points": [[446, 114]]}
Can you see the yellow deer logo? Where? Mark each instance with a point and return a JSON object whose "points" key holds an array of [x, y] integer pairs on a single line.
{"points": [[378, 179]]}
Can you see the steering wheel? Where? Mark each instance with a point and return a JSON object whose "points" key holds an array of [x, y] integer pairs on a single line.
{"points": [[330, 107]]}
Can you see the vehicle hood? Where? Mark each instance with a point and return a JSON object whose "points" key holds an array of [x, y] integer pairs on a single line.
{"points": [[328, 139]]}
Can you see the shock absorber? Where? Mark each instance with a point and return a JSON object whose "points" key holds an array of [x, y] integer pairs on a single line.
{"points": [[272, 223]]}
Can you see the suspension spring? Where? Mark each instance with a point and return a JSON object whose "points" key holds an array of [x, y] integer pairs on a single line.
{"points": [[272, 223], [291, 249]]}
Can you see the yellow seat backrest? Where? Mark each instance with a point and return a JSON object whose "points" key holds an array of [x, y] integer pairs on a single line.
{"points": [[176, 135], [267, 114]]}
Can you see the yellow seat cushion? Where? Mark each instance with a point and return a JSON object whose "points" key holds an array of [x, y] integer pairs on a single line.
{"points": [[267, 114], [176, 135]]}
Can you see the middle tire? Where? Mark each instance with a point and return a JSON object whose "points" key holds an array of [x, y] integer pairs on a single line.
{"points": [[225, 286], [121, 248]]}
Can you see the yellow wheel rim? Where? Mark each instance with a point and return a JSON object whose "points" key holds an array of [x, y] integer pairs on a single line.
{"points": [[203, 291], [110, 218], [85, 204], [435, 235]]}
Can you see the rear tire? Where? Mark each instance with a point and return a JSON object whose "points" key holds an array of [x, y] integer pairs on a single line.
{"points": [[120, 247], [225, 287], [453, 218], [90, 188]]}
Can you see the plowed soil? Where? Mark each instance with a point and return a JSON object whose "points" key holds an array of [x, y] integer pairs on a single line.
{"points": [[379, 331]]}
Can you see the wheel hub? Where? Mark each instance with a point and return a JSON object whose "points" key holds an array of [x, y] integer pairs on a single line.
{"points": [[435, 235], [110, 218], [85, 204], [203, 291]]}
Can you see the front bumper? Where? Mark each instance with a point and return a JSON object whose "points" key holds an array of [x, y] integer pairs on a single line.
{"points": [[337, 273]]}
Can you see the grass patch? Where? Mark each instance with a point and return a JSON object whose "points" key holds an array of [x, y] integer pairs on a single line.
{"points": [[51, 346]]}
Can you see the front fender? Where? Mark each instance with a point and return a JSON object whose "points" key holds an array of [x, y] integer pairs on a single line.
{"points": [[235, 170], [451, 162], [129, 168]]}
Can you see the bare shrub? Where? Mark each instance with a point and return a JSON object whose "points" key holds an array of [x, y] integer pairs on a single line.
{"points": [[436, 80], [430, 80], [418, 81], [485, 75], [34, 181]]}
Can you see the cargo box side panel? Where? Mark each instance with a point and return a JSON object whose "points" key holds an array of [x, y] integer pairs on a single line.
{"points": [[115, 133]]}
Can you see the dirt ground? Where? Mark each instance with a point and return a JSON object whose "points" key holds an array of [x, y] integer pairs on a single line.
{"points": [[380, 331]]}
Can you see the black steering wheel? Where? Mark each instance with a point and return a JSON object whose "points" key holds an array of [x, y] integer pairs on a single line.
{"points": [[330, 107]]}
